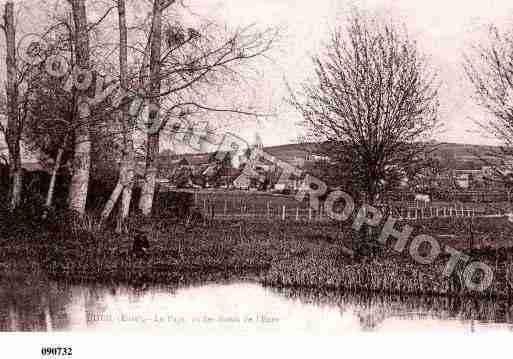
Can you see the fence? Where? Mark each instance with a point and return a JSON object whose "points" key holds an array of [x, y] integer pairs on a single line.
{"points": [[290, 210]]}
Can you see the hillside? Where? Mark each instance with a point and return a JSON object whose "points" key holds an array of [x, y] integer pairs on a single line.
{"points": [[454, 153]]}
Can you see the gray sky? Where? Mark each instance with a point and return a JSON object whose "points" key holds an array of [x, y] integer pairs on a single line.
{"points": [[444, 30]]}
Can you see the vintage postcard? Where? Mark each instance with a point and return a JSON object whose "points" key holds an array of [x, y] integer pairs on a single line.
{"points": [[222, 167]]}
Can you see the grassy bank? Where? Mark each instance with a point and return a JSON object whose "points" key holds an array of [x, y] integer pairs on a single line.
{"points": [[390, 276], [282, 254]]}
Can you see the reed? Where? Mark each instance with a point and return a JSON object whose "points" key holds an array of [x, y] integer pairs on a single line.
{"points": [[381, 275]]}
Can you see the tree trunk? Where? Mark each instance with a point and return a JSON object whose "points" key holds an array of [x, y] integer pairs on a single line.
{"points": [[112, 200], [82, 156], [55, 171], [129, 142], [150, 178], [13, 132], [152, 144], [16, 184], [128, 188], [126, 173]]}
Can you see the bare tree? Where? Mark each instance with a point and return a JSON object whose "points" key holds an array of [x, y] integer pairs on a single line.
{"points": [[126, 178], [193, 63], [152, 149], [48, 125], [14, 124], [372, 102], [179, 68], [82, 146], [489, 68]]}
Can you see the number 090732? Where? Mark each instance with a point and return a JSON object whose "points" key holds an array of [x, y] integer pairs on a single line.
{"points": [[56, 351]]}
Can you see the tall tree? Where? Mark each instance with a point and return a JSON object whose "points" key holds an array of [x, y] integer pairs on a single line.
{"points": [[489, 68], [373, 99], [152, 147], [82, 146], [126, 178], [178, 69], [14, 128]]}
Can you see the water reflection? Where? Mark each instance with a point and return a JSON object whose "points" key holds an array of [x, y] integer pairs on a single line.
{"points": [[242, 308], [382, 311]]}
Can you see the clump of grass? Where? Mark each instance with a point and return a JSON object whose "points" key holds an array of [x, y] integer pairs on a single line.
{"points": [[380, 275]]}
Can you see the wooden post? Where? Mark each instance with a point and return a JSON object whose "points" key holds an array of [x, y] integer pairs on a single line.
{"points": [[268, 210], [471, 237], [309, 213], [283, 213], [212, 210], [225, 207], [297, 214]]}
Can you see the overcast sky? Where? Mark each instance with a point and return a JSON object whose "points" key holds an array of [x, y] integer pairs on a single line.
{"points": [[444, 30]]}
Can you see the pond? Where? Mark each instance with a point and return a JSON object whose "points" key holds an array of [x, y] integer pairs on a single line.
{"points": [[235, 308]]}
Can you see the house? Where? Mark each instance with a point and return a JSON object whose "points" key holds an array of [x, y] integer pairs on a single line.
{"points": [[168, 167], [227, 176], [463, 180], [242, 182]]}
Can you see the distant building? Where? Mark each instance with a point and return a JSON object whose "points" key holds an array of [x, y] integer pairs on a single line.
{"points": [[227, 176], [463, 180], [242, 182]]}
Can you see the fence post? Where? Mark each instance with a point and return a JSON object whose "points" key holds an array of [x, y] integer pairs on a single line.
{"points": [[225, 207], [297, 214], [204, 205], [283, 213], [309, 213], [268, 210]]}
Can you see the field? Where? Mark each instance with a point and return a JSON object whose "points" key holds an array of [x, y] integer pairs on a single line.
{"points": [[266, 206], [281, 254]]}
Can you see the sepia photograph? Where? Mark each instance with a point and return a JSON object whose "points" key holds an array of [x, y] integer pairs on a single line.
{"points": [[245, 168]]}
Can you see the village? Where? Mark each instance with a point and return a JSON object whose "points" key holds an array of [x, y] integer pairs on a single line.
{"points": [[190, 160]]}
